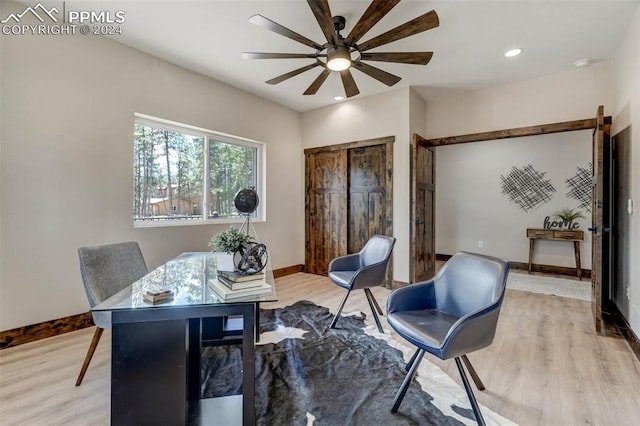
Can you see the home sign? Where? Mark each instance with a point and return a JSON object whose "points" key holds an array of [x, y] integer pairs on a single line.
{"points": [[559, 224]]}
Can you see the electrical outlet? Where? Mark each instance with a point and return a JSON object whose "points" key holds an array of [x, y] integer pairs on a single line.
{"points": [[480, 244], [628, 291]]}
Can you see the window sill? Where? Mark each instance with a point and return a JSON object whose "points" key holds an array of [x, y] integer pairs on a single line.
{"points": [[164, 223]]}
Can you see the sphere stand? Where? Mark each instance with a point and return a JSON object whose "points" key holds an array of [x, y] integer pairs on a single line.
{"points": [[247, 226], [249, 258]]}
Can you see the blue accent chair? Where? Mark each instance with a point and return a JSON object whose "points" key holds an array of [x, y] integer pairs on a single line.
{"points": [[450, 315], [362, 270]]}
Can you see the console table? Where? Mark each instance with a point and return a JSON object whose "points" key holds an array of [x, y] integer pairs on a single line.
{"points": [[556, 235]]}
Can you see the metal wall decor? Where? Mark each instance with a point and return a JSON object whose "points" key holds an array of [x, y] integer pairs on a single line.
{"points": [[580, 186], [526, 187]]}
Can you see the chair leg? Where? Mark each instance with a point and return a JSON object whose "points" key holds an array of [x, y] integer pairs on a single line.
{"points": [[373, 309], [472, 398], [472, 372], [335, 319], [87, 359], [407, 381], [375, 302], [411, 361]]}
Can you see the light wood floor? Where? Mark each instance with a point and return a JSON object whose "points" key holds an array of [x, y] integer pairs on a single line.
{"points": [[546, 366]]}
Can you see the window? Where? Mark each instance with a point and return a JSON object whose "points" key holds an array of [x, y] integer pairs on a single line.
{"points": [[186, 175]]}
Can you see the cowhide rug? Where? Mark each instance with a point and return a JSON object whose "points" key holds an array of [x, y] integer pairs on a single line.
{"points": [[308, 374]]}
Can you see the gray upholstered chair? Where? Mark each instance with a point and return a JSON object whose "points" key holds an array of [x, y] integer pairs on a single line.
{"points": [[363, 270], [105, 271], [454, 313]]}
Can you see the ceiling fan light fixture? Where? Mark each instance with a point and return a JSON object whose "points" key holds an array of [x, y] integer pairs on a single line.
{"points": [[339, 58], [343, 54]]}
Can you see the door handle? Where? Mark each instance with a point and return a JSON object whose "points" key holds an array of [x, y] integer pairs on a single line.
{"points": [[419, 222], [593, 229]]}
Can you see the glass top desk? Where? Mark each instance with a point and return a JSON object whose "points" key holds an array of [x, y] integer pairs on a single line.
{"points": [[155, 352]]}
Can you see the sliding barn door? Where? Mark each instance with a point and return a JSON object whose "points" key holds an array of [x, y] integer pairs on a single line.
{"points": [[348, 199], [326, 209], [369, 176], [423, 191]]}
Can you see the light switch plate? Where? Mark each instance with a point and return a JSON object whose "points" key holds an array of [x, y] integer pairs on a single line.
{"points": [[630, 206]]}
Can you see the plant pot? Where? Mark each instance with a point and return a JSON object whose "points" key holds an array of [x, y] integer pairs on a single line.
{"points": [[224, 261]]}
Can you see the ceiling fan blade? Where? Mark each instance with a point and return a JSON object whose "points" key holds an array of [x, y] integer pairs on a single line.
{"points": [[376, 10], [261, 21], [380, 75], [322, 12], [256, 55], [416, 58], [293, 73], [311, 90], [422, 23], [350, 87]]}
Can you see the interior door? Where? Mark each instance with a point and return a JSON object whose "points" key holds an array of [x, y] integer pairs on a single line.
{"points": [[367, 195], [326, 209], [621, 225], [597, 222], [349, 189], [423, 191]]}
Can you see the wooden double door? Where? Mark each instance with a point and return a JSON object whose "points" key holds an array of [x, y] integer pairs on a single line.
{"points": [[348, 199]]}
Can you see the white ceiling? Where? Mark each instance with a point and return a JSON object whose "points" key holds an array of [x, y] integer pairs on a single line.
{"points": [[209, 37]]}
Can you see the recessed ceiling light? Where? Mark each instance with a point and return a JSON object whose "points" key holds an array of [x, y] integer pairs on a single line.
{"points": [[582, 63], [513, 52], [338, 98]]}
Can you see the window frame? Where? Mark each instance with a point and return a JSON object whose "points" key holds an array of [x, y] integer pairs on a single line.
{"points": [[208, 136]]}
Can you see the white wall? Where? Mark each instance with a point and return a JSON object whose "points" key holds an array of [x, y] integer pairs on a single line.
{"points": [[68, 106], [470, 205], [626, 111], [367, 118], [418, 111], [1, 138], [467, 175], [567, 96]]}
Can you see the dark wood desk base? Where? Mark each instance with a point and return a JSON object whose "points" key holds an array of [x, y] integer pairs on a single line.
{"points": [[155, 365]]}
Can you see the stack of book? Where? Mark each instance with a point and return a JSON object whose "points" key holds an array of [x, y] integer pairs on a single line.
{"points": [[236, 281], [232, 284], [156, 296]]}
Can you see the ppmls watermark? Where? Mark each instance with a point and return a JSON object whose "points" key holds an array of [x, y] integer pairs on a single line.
{"points": [[63, 22]]}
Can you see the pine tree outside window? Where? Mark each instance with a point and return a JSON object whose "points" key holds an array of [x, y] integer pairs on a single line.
{"points": [[186, 175]]}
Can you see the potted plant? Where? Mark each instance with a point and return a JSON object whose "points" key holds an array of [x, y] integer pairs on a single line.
{"points": [[568, 216], [225, 245]]}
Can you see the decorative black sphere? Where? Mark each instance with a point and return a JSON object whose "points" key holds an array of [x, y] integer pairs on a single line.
{"points": [[246, 200], [250, 258]]}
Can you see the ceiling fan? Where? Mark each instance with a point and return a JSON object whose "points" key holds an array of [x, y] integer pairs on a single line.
{"points": [[343, 53]]}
